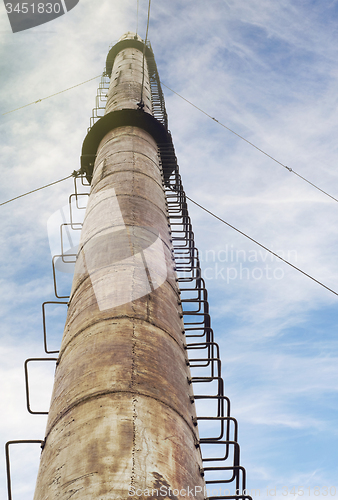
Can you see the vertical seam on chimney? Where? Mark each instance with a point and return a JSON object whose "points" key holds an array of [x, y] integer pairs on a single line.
{"points": [[134, 399], [134, 416]]}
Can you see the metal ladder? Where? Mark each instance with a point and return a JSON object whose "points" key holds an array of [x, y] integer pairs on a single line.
{"points": [[159, 110], [218, 441]]}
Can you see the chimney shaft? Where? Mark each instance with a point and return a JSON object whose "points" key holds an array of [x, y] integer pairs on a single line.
{"points": [[120, 422]]}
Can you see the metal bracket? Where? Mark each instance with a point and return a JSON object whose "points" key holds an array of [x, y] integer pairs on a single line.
{"points": [[64, 256], [76, 195], [27, 384], [54, 279], [45, 326], [8, 468]]}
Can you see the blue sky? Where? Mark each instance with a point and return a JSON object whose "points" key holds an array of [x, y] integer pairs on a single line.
{"points": [[267, 70]]}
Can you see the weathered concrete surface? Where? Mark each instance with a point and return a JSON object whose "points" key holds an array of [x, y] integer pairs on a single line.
{"points": [[121, 443], [121, 416], [126, 81]]}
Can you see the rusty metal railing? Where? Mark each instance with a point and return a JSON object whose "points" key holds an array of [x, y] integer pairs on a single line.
{"points": [[218, 442], [27, 384], [100, 100], [8, 467]]}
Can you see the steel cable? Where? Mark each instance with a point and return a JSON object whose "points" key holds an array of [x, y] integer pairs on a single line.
{"points": [[141, 103], [137, 17], [38, 189], [251, 144], [52, 95], [262, 246]]}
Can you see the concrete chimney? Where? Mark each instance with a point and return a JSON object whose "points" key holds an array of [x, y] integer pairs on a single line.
{"points": [[120, 422]]}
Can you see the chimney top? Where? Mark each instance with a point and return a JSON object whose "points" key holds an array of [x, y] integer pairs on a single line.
{"points": [[131, 36]]}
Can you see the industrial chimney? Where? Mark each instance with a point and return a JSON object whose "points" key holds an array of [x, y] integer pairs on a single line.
{"points": [[122, 421]]}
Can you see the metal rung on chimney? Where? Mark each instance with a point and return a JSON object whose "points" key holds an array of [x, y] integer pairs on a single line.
{"points": [[221, 447]]}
